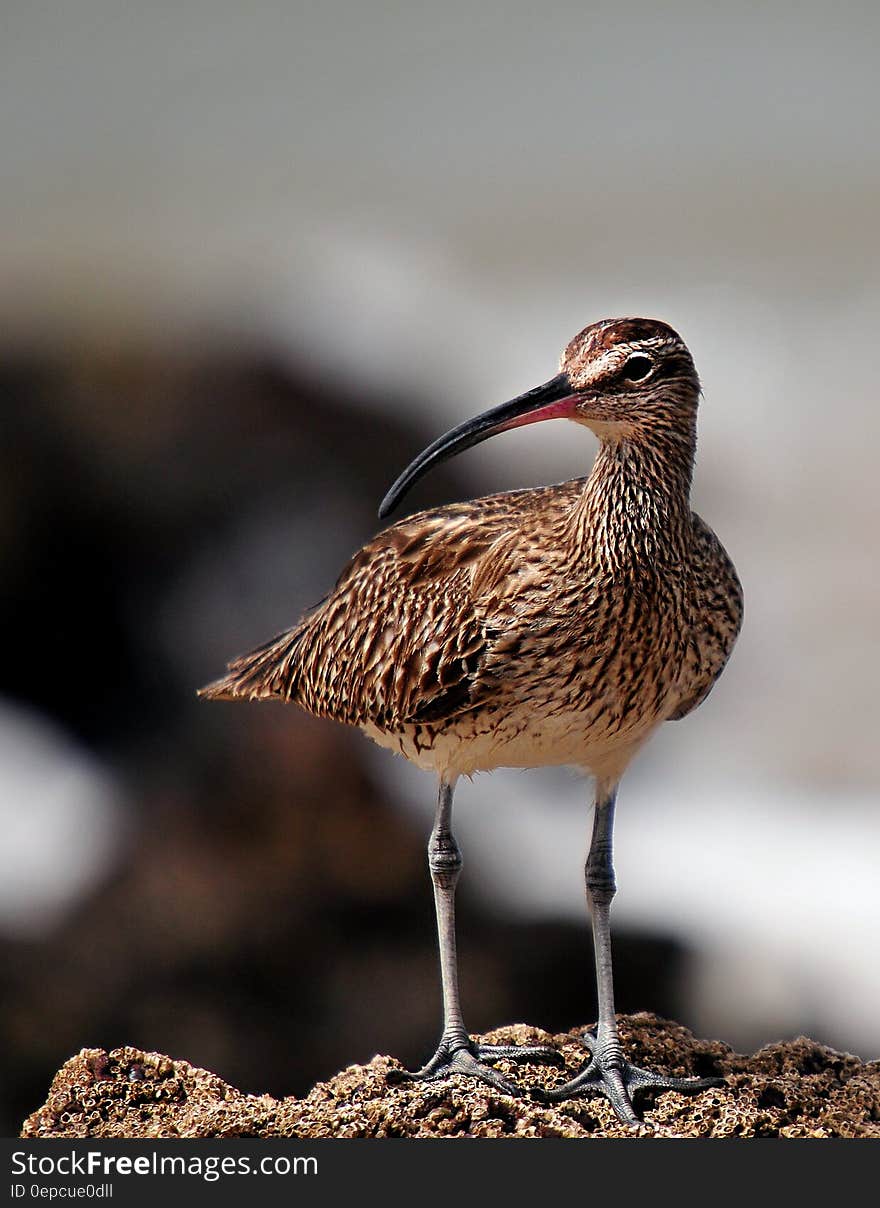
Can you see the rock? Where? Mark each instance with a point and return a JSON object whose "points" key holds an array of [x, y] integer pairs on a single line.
{"points": [[792, 1089]]}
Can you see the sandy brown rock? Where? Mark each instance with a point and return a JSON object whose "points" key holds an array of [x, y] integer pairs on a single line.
{"points": [[793, 1089]]}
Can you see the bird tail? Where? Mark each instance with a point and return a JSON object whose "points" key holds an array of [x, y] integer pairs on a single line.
{"points": [[267, 673]]}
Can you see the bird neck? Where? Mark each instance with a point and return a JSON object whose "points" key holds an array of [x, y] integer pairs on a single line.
{"points": [[636, 502]]}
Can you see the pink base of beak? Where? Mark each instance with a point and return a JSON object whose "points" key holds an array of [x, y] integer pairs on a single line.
{"points": [[563, 408]]}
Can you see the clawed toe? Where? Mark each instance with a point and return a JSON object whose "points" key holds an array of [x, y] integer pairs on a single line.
{"points": [[462, 1061], [540, 1054], [619, 1081], [471, 1060]]}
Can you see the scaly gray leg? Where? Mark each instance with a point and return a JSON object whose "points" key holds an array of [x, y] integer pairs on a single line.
{"points": [[456, 1052], [608, 1072]]}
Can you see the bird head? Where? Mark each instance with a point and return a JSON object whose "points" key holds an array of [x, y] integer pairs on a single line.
{"points": [[624, 378], [629, 375]]}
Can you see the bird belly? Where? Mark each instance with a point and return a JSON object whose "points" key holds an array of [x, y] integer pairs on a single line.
{"points": [[484, 741]]}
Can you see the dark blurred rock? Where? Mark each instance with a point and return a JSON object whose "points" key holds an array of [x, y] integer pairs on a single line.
{"points": [[118, 470], [795, 1089]]}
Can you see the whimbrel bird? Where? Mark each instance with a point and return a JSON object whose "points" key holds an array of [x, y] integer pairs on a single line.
{"points": [[559, 625]]}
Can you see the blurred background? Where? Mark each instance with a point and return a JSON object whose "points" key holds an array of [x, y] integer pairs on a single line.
{"points": [[252, 259]]}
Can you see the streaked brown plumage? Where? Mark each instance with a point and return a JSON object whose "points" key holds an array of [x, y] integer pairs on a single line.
{"points": [[547, 626]]}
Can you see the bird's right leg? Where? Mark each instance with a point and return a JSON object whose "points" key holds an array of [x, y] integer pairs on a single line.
{"points": [[456, 1052]]}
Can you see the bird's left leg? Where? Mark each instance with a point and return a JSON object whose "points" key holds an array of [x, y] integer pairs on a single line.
{"points": [[608, 1072], [456, 1052]]}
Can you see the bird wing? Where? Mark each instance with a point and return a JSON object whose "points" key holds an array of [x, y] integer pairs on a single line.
{"points": [[405, 635]]}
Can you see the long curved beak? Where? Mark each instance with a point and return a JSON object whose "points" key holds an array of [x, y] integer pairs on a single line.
{"points": [[552, 400]]}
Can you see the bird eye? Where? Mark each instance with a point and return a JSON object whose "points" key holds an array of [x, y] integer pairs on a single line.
{"points": [[636, 368]]}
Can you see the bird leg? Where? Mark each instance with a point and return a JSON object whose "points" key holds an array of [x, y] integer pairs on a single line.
{"points": [[608, 1072], [456, 1052]]}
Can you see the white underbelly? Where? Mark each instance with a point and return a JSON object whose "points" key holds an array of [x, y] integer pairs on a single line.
{"points": [[563, 739]]}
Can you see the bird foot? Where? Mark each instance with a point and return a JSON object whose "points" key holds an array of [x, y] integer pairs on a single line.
{"points": [[470, 1059], [608, 1073]]}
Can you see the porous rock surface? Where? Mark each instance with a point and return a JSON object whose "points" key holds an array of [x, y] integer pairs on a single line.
{"points": [[793, 1089]]}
